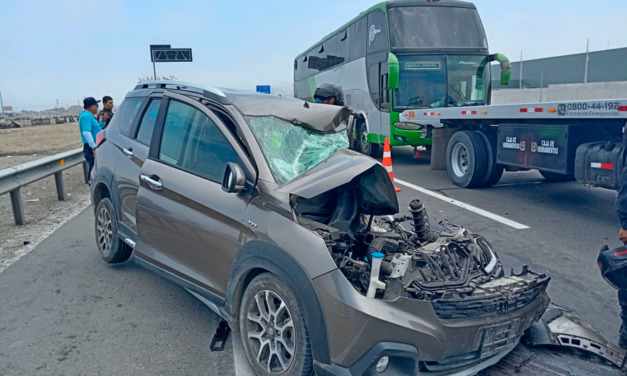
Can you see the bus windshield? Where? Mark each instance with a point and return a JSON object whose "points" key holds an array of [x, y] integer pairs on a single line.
{"points": [[436, 27], [432, 81]]}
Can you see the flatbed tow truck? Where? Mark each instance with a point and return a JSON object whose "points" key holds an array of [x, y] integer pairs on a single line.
{"points": [[563, 140]]}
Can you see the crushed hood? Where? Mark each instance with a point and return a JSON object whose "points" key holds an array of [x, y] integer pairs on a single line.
{"points": [[375, 188], [315, 117]]}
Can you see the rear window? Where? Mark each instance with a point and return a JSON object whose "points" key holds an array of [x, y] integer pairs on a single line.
{"points": [[128, 113]]}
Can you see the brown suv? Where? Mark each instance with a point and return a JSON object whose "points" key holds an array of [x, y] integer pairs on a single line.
{"points": [[255, 205]]}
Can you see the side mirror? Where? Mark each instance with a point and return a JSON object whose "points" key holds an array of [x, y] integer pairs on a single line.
{"points": [[234, 179], [506, 67]]}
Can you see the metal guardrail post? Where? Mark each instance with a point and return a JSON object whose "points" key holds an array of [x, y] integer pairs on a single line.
{"points": [[58, 180], [18, 207], [86, 172]]}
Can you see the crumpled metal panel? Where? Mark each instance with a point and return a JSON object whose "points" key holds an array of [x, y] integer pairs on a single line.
{"points": [[557, 328]]}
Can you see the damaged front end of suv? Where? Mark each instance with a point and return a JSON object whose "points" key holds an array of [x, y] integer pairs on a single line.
{"points": [[407, 296], [433, 298]]}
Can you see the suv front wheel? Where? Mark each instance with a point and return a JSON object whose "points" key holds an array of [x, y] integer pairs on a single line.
{"points": [[273, 329], [112, 249]]}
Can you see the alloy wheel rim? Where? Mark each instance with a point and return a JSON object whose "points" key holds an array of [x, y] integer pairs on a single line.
{"points": [[271, 333], [105, 232], [365, 146], [459, 160]]}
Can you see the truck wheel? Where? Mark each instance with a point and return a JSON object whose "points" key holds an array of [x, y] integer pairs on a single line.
{"points": [[112, 249], [494, 171], [466, 159], [365, 147], [553, 176], [272, 328]]}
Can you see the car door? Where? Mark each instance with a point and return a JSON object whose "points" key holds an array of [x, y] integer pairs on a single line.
{"points": [[137, 119], [187, 225]]}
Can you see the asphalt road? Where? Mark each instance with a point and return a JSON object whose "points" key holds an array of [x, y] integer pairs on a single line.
{"points": [[63, 311]]}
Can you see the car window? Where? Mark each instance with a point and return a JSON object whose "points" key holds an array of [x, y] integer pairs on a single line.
{"points": [[127, 114], [193, 142], [148, 122]]}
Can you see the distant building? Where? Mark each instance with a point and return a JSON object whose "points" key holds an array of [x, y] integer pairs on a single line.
{"points": [[603, 66]]}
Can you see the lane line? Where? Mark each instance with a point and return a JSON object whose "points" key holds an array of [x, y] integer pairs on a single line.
{"points": [[462, 205]]}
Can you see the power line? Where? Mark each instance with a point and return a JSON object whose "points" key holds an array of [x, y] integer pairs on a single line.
{"points": [[40, 81], [38, 61], [39, 76]]}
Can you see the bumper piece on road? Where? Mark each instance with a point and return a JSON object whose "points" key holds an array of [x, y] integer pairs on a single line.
{"points": [[557, 328]]}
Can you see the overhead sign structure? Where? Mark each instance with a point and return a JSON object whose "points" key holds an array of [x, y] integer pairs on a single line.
{"points": [[171, 55], [265, 89], [8, 108], [164, 53]]}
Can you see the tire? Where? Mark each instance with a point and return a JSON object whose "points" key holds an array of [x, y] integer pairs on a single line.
{"points": [[554, 176], [466, 159], [268, 290], [365, 147], [494, 171], [112, 249]]}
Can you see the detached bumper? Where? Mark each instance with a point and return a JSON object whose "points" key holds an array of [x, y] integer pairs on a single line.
{"points": [[361, 330]]}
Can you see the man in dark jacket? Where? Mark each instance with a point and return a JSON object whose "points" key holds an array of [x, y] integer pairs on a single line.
{"points": [[621, 210], [107, 111], [329, 94]]}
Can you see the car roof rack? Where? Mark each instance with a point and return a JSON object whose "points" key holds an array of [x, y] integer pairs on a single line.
{"points": [[206, 91]]}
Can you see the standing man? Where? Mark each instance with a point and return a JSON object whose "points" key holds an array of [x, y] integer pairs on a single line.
{"points": [[89, 128], [107, 110]]}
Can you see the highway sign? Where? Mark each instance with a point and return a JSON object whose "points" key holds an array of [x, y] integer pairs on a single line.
{"points": [[167, 55], [265, 89]]}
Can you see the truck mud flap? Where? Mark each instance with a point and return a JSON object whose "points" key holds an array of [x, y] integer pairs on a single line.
{"points": [[600, 164], [557, 328]]}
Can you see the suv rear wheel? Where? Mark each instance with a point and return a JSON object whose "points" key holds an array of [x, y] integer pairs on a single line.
{"points": [[112, 249], [273, 329]]}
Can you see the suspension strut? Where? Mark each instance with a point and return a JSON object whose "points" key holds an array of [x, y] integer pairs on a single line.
{"points": [[420, 223]]}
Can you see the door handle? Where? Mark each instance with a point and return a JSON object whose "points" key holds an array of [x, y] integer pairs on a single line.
{"points": [[154, 184], [128, 151]]}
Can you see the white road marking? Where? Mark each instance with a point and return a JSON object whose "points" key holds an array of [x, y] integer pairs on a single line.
{"points": [[462, 205]]}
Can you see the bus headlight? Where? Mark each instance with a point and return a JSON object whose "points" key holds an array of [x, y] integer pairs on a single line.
{"points": [[408, 126]]}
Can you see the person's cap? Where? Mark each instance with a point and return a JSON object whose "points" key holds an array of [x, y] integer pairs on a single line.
{"points": [[90, 101]]}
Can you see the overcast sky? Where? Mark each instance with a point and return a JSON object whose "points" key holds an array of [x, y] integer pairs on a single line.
{"points": [[69, 49]]}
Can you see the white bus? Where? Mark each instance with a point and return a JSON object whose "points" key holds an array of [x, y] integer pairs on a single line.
{"points": [[400, 55]]}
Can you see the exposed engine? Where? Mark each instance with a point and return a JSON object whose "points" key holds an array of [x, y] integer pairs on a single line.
{"points": [[387, 257]]}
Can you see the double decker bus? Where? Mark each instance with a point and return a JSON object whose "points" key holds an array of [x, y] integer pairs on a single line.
{"points": [[419, 55]]}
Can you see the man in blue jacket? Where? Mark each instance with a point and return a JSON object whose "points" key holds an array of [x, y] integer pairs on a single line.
{"points": [[89, 128]]}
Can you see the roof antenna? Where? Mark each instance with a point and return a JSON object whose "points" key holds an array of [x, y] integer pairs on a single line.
{"points": [[306, 105]]}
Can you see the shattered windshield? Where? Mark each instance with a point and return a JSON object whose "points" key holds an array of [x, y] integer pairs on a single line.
{"points": [[291, 150]]}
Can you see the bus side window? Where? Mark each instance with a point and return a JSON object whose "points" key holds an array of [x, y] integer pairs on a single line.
{"points": [[342, 46], [373, 74], [358, 38]]}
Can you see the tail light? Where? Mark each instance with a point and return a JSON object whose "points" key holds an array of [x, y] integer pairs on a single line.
{"points": [[100, 137]]}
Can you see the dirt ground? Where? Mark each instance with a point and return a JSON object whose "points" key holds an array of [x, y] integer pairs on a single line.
{"points": [[44, 213]]}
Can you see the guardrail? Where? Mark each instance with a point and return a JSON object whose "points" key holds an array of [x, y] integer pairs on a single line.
{"points": [[16, 177]]}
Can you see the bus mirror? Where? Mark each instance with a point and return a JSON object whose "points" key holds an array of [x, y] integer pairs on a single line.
{"points": [[506, 67], [393, 71]]}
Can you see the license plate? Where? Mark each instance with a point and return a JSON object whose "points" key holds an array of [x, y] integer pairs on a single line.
{"points": [[498, 338]]}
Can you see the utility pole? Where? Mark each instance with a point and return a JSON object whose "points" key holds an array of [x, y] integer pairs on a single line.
{"points": [[585, 76], [521, 70], [154, 66], [1, 104]]}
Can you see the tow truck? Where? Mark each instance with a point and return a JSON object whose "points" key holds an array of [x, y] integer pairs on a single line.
{"points": [[562, 140]]}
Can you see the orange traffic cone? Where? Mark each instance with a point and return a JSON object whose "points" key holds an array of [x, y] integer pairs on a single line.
{"points": [[387, 161]]}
